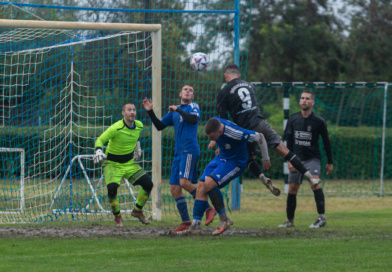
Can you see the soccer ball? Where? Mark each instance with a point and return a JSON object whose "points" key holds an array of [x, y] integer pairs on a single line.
{"points": [[199, 61]]}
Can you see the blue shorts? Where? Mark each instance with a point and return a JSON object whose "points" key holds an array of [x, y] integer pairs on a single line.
{"points": [[222, 171], [184, 166]]}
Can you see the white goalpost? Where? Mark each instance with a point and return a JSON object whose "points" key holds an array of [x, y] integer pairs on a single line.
{"points": [[62, 84]]}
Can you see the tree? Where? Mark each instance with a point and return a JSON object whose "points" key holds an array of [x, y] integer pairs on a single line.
{"points": [[367, 49], [294, 41]]}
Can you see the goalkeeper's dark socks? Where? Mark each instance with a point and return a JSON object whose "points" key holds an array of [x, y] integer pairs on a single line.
{"points": [[291, 206], [199, 208], [182, 209], [296, 162]]}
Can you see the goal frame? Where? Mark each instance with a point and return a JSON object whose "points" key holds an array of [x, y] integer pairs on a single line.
{"points": [[156, 41]]}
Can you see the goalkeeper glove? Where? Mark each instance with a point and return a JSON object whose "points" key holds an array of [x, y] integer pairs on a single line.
{"points": [[99, 156], [137, 152]]}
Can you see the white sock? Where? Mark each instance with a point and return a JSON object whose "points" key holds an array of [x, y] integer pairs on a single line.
{"points": [[196, 223]]}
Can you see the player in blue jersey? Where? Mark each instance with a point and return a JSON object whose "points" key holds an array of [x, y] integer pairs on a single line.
{"points": [[230, 163], [185, 119]]}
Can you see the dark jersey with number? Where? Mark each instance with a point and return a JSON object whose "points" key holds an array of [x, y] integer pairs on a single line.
{"points": [[238, 98], [302, 135]]}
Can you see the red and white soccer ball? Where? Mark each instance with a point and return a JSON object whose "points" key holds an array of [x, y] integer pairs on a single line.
{"points": [[199, 61]]}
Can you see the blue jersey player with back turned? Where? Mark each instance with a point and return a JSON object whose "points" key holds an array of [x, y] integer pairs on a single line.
{"points": [[231, 162], [184, 118]]}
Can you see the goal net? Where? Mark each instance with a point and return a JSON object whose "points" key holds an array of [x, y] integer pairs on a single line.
{"points": [[62, 84], [357, 117]]}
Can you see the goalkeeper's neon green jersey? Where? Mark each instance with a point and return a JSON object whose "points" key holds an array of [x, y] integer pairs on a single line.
{"points": [[122, 139]]}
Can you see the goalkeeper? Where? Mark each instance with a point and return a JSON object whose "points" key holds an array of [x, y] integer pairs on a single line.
{"points": [[184, 118], [121, 155]]}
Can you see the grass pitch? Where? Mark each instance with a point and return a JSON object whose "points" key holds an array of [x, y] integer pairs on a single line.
{"points": [[358, 237]]}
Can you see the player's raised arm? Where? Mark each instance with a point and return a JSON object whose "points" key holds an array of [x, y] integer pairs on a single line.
{"points": [[147, 104]]}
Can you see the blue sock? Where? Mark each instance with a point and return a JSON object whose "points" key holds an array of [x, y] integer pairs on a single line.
{"points": [[199, 208], [193, 193], [183, 209]]}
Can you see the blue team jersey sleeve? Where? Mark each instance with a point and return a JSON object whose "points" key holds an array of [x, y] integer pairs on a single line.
{"points": [[195, 110], [248, 136], [233, 142], [167, 120], [237, 132]]}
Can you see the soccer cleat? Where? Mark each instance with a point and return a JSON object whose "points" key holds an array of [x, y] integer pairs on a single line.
{"points": [[118, 221], [268, 183], [193, 229], [210, 214], [318, 224], [314, 181], [139, 215], [182, 227], [223, 226], [287, 224]]}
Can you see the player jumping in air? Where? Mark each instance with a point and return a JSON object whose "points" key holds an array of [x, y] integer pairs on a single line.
{"points": [[231, 162], [238, 97], [122, 150], [185, 119]]}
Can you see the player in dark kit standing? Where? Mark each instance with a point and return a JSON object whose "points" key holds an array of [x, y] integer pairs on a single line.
{"points": [[302, 133], [238, 98]]}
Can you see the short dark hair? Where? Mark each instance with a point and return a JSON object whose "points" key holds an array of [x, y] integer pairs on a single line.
{"points": [[212, 125], [308, 92], [232, 69], [187, 85], [128, 103]]}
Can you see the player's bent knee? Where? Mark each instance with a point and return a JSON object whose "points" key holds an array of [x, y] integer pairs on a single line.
{"points": [[175, 190], [184, 182], [210, 184], [146, 182], [112, 189]]}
